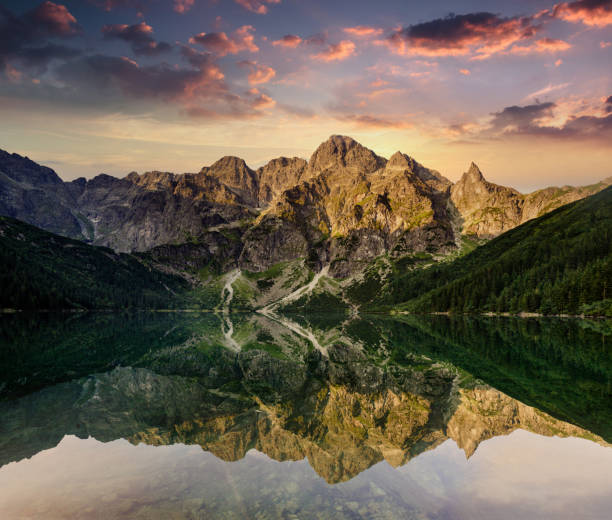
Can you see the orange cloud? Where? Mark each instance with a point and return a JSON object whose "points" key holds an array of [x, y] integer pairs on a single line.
{"points": [[465, 72], [220, 43], [374, 121], [363, 30], [558, 63], [595, 13], [605, 45], [336, 52], [289, 40], [258, 73], [542, 45]]}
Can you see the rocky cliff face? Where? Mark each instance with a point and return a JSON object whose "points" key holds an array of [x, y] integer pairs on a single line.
{"points": [[487, 210], [343, 207]]}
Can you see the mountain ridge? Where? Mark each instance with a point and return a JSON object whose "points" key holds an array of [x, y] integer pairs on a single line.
{"points": [[345, 206]]}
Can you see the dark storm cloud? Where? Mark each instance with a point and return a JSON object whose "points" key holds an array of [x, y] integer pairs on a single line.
{"points": [[139, 36]]}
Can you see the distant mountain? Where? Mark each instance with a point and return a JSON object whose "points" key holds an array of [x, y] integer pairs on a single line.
{"points": [[343, 208], [41, 270]]}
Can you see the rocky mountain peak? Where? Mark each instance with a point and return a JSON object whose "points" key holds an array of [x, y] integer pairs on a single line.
{"points": [[402, 161], [473, 174], [23, 169], [345, 152], [234, 173], [229, 162]]}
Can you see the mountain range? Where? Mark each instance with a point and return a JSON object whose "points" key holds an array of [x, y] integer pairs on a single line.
{"points": [[346, 231], [344, 207]]}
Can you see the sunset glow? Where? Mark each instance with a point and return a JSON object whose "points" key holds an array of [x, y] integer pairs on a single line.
{"points": [[521, 88]]}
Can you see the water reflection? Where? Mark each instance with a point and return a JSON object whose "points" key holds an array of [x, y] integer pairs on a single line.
{"points": [[367, 426]]}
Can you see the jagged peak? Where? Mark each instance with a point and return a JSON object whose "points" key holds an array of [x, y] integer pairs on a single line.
{"points": [[473, 174]]}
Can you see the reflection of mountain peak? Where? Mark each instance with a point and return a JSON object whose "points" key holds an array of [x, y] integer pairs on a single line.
{"points": [[340, 430]]}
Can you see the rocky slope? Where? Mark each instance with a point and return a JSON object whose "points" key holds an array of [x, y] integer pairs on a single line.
{"points": [[487, 210], [342, 208]]}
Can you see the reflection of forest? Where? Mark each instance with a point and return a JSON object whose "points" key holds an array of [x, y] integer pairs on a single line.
{"points": [[387, 389]]}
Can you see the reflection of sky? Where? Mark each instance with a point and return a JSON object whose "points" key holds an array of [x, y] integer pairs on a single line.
{"points": [[519, 475], [119, 85]]}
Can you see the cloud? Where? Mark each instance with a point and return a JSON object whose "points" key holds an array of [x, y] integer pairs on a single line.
{"points": [[53, 19], [521, 118], [139, 36], [220, 43], [365, 120], [595, 13], [257, 6], [109, 5], [547, 90], [605, 45], [100, 72], [289, 40], [259, 100], [258, 74], [478, 34], [25, 38], [541, 46], [363, 31], [336, 52], [537, 120], [465, 72], [182, 6]]}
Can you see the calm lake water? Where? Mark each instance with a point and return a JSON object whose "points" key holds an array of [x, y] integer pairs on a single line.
{"points": [[193, 416]]}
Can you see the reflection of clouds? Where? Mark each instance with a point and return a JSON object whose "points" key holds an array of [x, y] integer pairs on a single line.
{"points": [[513, 475]]}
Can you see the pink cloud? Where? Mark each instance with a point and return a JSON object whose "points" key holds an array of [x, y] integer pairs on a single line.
{"points": [[605, 45], [336, 52], [257, 6], [465, 72], [559, 62], [258, 74], [595, 13], [363, 30], [289, 40], [55, 18], [182, 6], [220, 43], [259, 101]]}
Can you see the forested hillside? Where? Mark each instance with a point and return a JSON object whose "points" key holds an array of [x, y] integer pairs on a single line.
{"points": [[558, 263], [41, 270]]}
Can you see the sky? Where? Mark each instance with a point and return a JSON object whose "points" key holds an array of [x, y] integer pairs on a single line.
{"points": [[523, 88]]}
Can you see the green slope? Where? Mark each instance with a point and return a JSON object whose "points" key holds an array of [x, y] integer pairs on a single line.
{"points": [[41, 270], [558, 263]]}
